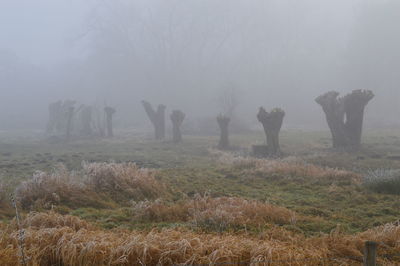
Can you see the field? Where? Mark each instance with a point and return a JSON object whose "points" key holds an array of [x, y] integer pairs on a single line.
{"points": [[134, 201]]}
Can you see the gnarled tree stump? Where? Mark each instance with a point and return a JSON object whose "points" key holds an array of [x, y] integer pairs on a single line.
{"points": [[157, 118], [345, 116], [223, 123], [272, 123], [109, 112], [177, 118]]}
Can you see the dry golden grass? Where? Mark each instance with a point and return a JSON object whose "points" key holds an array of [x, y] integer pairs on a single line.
{"points": [[220, 212], [6, 209], [126, 178], [41, 220], [45, 189], [120, 182], [160, 211], [290, 167], [74, 243], [234, 211]]}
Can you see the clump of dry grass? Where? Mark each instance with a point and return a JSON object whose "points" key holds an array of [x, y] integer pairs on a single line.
{"points": [[41, 220], [290, 167], [74, 245], [6, 209], [45, 189], [123, 178], [234, 211], [88, 187], [160, 211], [217, 213]]}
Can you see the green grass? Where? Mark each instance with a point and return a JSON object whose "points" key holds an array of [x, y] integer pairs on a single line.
{"points": [[189, 168]]}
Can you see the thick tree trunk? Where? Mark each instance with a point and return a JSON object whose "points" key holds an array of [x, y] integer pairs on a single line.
{"points": [[223, 122], [86, 119], [64, 117], [272, 123], [177, 118], [70, 115], [156, 118], [335, 114], [109, 112], [160, 122], [354, 106], [54, 115], [345, 116]]}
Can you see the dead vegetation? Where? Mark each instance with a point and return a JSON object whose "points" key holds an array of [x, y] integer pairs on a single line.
{"points": [[127, 179], [289, 167], [53, 239], [6, 210], [45, 189], [214, 213], [3, 195], [50, 241], [93, 186]]}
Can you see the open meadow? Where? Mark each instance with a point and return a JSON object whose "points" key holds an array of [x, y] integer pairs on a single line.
{"points": [[135, 201], [187, 132]]}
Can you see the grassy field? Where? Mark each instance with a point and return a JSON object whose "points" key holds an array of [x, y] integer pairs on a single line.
{"points": [[310, 194]]}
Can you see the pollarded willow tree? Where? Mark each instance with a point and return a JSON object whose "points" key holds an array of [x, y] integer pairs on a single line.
{"points": [[223, 123], [345, 116], [86, 120], [177, 118], [157, 118], [69, 116], [109, 112], [54, 116], [272, 123]]}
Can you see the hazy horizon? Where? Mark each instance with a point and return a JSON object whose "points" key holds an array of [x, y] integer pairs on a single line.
{"points": [[184, 54]]}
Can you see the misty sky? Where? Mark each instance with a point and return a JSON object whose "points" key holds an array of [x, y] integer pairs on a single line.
{"points": [[185, 53], [42, 32]]}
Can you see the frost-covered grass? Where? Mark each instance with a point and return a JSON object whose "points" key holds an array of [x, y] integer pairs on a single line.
{"points": [[312, 181], [383, 180]]}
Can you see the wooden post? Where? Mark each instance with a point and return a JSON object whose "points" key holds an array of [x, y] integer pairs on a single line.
{"points": [[370, 253]]}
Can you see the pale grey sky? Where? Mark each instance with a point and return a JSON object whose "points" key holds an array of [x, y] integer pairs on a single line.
{"points": [[42, 31], [184, 52]]}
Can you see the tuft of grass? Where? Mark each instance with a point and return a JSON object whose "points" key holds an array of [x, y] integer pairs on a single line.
{"points": [[292, 167], [217, 214], [46, 189], [122, 180], [383, 181], [42, 220], [96, 185]]}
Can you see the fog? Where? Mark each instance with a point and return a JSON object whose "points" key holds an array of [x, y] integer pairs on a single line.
{"points": [[187, 53]]}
